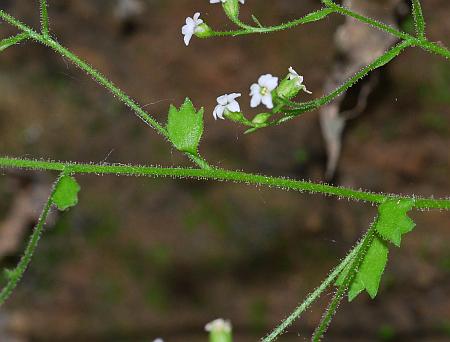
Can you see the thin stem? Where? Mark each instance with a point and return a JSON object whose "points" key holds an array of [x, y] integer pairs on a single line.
{"points": [[419, 42], [220, 175], [372, 22], [311, 17], [16, 275], [355, 265], [419, 21], [312, 297], [10, 41], [315, 104], [44, 18], [97, 76]]}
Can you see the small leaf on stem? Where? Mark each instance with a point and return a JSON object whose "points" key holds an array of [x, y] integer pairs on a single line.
{"points": [[369, 273], [393, 221], [185, 127], [66, 193]]}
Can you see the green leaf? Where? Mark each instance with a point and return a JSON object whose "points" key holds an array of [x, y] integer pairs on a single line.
{"points": [[369, 273], [393, 222], [66, 193], [185, 127]]}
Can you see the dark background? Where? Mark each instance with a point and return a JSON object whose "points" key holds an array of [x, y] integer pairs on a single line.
{"points": [[143, 258]]}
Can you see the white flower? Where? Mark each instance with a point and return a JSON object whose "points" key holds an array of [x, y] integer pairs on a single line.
{"points": [[262, 91], [226, 102], [218, 325], [223, 1], [191, 27], [293, 75], [159, 340]]}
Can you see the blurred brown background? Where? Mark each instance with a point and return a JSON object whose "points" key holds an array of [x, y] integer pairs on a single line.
{"points": [[143, 258]]}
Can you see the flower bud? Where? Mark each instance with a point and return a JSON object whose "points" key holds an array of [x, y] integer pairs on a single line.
{"points": [[235, 116], [203, 31], [261, 118], [288, 88], [231, 8], [219, 331]]}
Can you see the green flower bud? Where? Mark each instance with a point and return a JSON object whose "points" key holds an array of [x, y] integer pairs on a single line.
{"points": [[261, 118], [235, 116], [288, 88], [231, 8], [203, 31], [219, 331]]}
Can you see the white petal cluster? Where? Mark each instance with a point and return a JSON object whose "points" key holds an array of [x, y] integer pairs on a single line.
{"points": [[218, 325], [191, 27], [226, 102], [261, 92]]}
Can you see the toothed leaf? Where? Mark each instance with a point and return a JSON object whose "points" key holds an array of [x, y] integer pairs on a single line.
{"points": [[369, 273], [185, 127], [393, 222]]}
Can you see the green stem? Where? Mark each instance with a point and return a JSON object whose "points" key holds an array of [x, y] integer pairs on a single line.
{"points": [[355, 265], [317, 103], [372, 22], [312, 297], [419, 42], [419, 21], [97, 76], [44, 18], [311, 17], [10, 41], [16, 275], [220, 175]]}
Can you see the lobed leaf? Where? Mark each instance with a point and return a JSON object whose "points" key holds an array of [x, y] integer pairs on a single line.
{"points": [[393, 221], [368, 276], [185, 127]]}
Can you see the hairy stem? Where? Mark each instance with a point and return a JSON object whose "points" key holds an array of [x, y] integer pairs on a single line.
{"points": [[44, 18], [315, 104], [419, 21], [15, 275], [337, 298], [311, 17], [419, 42], [220, 175], [312, 297], [97, 76]]}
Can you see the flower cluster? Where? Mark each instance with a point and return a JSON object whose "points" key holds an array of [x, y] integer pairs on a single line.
{"points": [[267, 91]]}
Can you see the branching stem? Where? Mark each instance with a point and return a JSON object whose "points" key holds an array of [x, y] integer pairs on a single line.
{"points": [[220, 175], [99, 77]]}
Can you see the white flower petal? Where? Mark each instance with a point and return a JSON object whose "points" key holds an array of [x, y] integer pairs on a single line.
{"points": [[234, 107], [268, 81], [187, 38], [218, 112], [222, 100], [256, 100], [267, 101], [233, 96], [254, 89]]}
